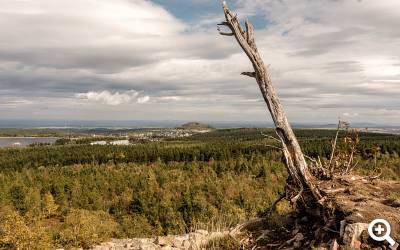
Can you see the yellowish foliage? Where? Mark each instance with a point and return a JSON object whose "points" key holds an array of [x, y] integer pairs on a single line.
{"points": [[84, 228], [16, 233], [50, 207]]}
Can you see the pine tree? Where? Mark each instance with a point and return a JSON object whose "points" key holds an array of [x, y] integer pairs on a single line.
{"points": [[49, 207]]}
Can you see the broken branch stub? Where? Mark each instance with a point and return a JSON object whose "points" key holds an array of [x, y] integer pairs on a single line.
{"points": [[300, 183]]}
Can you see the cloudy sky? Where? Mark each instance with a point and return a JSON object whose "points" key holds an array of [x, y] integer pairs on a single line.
{"points": [[164, 60]]}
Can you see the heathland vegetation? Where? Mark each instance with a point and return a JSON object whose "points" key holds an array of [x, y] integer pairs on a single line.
{"points": [[78, 195]]}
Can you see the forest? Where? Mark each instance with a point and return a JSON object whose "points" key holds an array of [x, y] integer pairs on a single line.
{"points": [[79, 195]]}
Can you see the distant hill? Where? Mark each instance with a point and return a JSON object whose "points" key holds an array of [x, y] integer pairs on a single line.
{"points": [[195, 125]]}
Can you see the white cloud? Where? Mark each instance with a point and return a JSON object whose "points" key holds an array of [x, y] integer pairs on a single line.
{"points": [[350, 115], [15, 103], [327, 58], [114, 99], [85, 34], [143, 99]]}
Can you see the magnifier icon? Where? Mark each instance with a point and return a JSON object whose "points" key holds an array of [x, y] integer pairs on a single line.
{"points": [[380, 230]]}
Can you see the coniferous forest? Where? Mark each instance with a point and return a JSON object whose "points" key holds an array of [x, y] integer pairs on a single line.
{"points": [[78, 195]]}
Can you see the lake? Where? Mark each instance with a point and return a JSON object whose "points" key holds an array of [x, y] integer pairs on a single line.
{"points": [[24, 141]]}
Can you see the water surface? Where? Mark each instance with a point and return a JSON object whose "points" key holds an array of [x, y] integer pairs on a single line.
{"points": [[24, 141]]}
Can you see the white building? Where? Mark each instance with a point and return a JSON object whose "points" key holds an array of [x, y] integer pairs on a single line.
{"points": [[98, 143], [120, 142]]}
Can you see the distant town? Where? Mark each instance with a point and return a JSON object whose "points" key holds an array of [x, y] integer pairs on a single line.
{"points": [[97, 136]]}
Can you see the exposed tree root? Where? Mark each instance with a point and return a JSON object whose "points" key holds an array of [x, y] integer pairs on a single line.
{"points": [[355, 202]]}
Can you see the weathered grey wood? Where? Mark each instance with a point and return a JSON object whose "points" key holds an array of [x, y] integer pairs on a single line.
{"points": [[301, 183]]}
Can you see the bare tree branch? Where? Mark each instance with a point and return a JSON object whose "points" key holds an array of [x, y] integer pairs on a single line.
{"points": [[271, 137], [250, 74]]}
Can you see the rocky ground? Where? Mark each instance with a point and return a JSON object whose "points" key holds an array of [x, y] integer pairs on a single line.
{"points": [[193, 241]]}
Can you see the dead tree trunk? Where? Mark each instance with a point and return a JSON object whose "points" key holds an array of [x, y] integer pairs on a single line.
{"points": [[300, 183]]}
